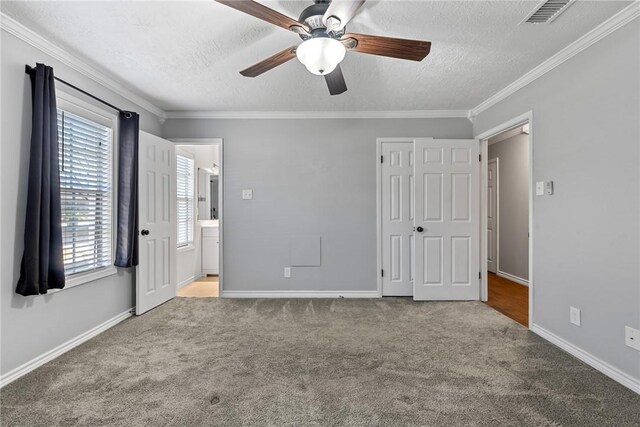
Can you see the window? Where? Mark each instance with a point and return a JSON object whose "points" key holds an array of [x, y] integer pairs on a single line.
{"points": [[86, 189], [185, 203]]}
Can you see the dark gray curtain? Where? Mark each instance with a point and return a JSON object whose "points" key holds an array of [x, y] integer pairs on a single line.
{"points": [[127, 240], [42, 267]]}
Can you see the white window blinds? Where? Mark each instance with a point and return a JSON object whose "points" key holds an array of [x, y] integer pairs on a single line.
{"points": [[185, 202], [85, 154]]}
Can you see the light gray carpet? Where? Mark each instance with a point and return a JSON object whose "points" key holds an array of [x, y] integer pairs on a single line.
{"points": [[390, 362]]}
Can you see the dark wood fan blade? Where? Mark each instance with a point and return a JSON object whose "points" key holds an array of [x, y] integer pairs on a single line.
{"points": [[335, 81], [414, 50], [260, 11], [344, 10], [270, 63]]}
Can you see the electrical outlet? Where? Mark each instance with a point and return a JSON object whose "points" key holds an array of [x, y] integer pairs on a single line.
{"points": [[574, 316], [247, 194], [632, 337], [287, 272]]}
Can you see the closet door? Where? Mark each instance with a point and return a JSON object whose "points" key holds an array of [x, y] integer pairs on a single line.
{"points": [[397, 195], [447, 219]]}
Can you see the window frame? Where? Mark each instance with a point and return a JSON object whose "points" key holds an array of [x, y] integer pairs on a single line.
{"points": [[189, 245], [70, 103]]}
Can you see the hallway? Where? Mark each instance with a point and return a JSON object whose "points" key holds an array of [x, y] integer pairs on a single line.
{"points": [[509, 298]]}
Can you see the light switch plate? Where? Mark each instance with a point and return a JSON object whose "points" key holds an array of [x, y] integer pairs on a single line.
{"points": [[548, 186], [632, 337], [287, 272], [574, 316], [540, 188], [247, 194]]}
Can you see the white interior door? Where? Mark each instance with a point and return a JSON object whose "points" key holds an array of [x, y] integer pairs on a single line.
{"points": [[447, 220], [156, 272], [397, 218], [492, 216]]}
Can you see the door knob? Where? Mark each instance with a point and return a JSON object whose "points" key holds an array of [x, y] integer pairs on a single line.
{"points": [[144, 232], [419, 229]]}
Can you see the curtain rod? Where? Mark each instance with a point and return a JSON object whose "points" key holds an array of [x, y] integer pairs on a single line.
{"points": [[28, 69]]}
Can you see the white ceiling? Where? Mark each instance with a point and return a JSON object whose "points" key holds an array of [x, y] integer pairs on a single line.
{"points": [[185, 56]]}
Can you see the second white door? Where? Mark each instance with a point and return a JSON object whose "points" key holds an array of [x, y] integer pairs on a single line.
{"points": [[397, 218], [447, 220]]}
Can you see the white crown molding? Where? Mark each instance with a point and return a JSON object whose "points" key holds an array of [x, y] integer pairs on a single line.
{"points": [[617, 21], [270, 115], [15, 28]]}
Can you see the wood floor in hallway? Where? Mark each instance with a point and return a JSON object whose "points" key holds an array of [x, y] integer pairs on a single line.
{"points": [[204, 287], [509, 298]]}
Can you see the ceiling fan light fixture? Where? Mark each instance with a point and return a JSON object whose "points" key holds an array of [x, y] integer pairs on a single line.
{"points": [[321, 55]]}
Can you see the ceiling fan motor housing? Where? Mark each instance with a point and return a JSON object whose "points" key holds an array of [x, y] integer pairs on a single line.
{"points": [[312, 16]]}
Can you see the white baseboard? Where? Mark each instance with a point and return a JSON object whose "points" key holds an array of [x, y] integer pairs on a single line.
{"points": [[24, 369], [513, 278], [189, 280], [610, 371], [300, 294]]}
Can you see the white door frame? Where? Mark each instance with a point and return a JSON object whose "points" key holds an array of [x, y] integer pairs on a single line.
{"points": [[220, 143], [484, 148], [497, 162], [379, 142]]}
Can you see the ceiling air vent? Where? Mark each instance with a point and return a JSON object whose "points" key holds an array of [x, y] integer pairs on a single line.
{"points": [[547, 11]]}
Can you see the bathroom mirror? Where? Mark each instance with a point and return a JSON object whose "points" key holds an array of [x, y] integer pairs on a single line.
{"points": [[207, 194]]}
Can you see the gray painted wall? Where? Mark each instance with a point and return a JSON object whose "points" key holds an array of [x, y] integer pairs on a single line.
{"points": [[586, 138], [513, 216], [34, 325], [309, 177]]}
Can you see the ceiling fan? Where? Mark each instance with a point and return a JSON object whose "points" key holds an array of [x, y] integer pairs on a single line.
{"points": [[321, 26]]}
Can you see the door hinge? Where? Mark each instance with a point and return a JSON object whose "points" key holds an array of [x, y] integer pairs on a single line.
{"points": [[479, 157], [381, 159], [479, 274], [381, 273]]}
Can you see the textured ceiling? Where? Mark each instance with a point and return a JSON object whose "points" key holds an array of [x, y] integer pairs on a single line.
{"points": [[185, 56]]}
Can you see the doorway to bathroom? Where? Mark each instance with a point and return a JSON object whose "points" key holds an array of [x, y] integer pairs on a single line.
{"points": [[199, 217]]}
